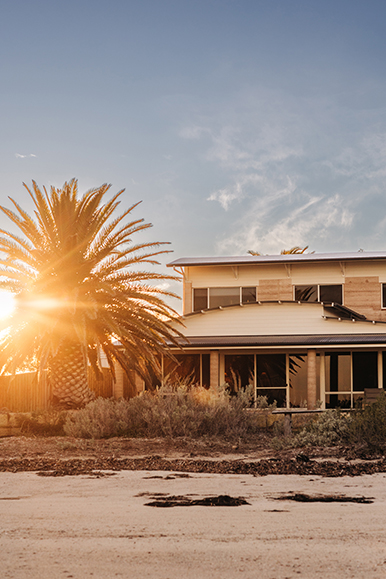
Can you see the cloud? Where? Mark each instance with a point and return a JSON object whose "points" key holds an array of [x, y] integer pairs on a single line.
{"points": [[252, 185], [19, 156], [293, 171], [273, 225]]}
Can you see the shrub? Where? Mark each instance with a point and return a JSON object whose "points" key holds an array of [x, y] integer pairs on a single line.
{"points": [[330, 429], [170, 412], [368, 426], [42, 423]]}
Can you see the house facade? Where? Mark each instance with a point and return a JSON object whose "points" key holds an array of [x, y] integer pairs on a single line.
{"points": [[300, 329]]}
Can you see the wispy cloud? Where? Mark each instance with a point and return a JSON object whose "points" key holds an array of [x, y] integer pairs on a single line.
{"points": [[19, 156], [282, 223], [304, 171]]}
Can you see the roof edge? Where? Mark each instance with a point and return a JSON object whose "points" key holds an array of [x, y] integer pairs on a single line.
{"points": [[287, 258]]}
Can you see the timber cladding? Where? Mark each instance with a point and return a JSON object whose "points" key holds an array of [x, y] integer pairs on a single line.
{"points": [[25, 393], [363, 294], [274, 289]]}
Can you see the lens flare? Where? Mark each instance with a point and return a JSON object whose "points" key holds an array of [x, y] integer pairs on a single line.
{"points": [[7, 304]]}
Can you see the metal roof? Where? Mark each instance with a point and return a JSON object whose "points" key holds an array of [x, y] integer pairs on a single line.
{"points": [[284, 259], [277, 341]]}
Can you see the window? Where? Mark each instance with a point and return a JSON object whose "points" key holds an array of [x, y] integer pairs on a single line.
{"points": [[223, 296], [330, 293], [384, 295], [200, 299], [306, 293], [319, 293], [214, 297], [248, 295]]}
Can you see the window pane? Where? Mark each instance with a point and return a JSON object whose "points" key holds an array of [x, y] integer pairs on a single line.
{"points": [[298, 379], [279, 396], [239, 371], [365, 370], [223, 296], [200, 299], [186, 369], [271, 371], [338, 372], [248, 295], [331, 293], [384, 295], [306, 293], [205, 360], [338, 401]]}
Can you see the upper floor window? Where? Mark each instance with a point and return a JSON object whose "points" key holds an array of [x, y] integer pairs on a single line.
{"points": [[214, 297], [319, 293], [200, 299], [384, 295]]}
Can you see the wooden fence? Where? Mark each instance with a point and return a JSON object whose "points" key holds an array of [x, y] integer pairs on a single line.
{"points": [[24, 393]]}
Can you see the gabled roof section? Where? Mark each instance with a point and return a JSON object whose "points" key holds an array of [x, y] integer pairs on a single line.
{"points": [[284, 259]]}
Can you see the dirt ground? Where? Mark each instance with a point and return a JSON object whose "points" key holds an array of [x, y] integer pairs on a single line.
{"points": [[57, 456]]}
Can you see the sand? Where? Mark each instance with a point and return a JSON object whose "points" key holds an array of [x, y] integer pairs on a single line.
{"points": [[101, 527]]}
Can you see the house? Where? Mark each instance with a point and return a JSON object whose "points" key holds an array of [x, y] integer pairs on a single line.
{"points": [[301, 328]]}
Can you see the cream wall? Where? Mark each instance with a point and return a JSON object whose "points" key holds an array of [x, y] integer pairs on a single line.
{"points": [[362, 281], [272, 320]]}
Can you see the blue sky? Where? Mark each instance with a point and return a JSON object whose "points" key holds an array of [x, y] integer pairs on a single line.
{"points": [[240, 125]]}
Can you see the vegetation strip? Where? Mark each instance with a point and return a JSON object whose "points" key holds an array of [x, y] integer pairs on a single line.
{"points": [[54, 467]]}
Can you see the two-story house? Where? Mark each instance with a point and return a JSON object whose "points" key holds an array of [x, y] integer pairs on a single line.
{"points": [[300, 328]]}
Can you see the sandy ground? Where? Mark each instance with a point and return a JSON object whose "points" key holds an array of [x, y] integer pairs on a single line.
{"points": [[101, 527]]}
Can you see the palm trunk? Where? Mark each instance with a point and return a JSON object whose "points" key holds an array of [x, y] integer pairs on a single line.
{"points": [[68, 376]]}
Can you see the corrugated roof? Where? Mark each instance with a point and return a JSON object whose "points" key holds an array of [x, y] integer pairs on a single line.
{"points": [[277, 341], [292, 258]]}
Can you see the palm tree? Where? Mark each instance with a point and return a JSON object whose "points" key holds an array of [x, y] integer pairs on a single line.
{"points": [[81, 288], [294, 250]]}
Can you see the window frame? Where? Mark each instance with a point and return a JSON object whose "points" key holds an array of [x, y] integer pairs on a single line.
{"points": [[383, 296]]}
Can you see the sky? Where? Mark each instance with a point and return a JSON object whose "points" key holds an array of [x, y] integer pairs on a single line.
{"points": [[240, 125]]}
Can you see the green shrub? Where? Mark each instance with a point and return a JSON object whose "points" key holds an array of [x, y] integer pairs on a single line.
{"points": [[170, 412], [330, 429], [368, 426]]}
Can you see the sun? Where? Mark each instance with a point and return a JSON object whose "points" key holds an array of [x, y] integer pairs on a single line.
{"points": [[7, 304]]}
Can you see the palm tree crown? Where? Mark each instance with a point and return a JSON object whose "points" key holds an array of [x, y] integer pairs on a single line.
{"points": [[80, 288]]}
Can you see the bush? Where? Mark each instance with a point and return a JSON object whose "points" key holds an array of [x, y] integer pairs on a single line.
{"points": [[43, 423], [368, 426], [170, 412], [330, 429]]}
